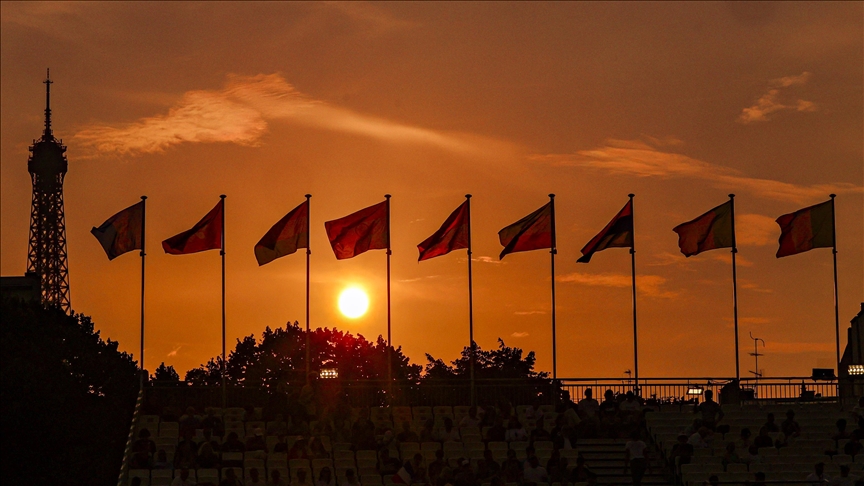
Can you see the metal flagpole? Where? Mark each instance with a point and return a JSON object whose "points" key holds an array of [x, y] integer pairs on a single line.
{"points": [[473, 356], [143, 240], [389, 341], [308, 253], [224, 364], [735, 290], [836, 298], [633, 274], [552, 253]]}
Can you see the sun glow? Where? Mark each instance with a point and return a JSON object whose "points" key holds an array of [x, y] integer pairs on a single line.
{"points": [[353, 302]]}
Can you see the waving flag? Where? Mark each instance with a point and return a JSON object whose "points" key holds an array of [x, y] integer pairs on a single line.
{"points": [[617, 234], [285, 237], [710, 231], [205, 235], [452, 235], [533, 232], [122, 232], [359, 232], [807, 228]]}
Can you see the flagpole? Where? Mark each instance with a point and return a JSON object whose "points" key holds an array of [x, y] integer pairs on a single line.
{"points": [[389, 342], [836, 297], [633, 275], [552, 253], [143, 240], [222, 254], [308, 253], [473, 357], [735, 290]]}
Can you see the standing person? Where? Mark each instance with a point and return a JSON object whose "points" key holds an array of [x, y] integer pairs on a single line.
{"points": [[635, 458], [711, 411]]}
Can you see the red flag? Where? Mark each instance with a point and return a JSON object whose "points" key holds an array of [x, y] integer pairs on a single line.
{"points": [[122, 232], [617, 234], [205, 235], [285, 237], [533, 232], [452, 235], [710, 231], [806, 229], [359, 232]]}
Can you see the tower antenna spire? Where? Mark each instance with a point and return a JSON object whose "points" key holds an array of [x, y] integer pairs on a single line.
{"points": [[47, 134]]}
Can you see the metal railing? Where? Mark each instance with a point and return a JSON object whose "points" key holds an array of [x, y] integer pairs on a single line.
{"points": [[491, 391]]}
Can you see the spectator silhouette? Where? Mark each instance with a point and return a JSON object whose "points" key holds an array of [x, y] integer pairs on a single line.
{"points": [[407, 435], [818, 474], [142, 450], [711, 411], [487, 468], [182, 478], [276, 478]]}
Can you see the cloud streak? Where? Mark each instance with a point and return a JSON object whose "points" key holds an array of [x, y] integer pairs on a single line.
{"points": [[775, 100], [639, 159], [241, 113], [648, 285]]}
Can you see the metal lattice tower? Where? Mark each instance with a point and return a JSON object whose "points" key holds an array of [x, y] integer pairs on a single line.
{"points": [[47, 248]]}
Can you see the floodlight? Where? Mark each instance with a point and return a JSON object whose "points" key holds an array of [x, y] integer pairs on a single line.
{"points": [[695, 390], [856, 369], [328, 373]]}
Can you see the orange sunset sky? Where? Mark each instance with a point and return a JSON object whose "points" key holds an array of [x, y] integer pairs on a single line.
{"points": [[679, 103]]}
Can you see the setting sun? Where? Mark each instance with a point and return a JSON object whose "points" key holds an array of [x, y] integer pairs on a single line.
{"points": [[353, 302]]}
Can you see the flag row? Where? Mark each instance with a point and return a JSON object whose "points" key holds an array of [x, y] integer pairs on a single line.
{"points": [[369, 229]]}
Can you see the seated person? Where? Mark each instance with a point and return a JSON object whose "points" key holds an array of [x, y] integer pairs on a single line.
{"points": [[254, 478], [699, 440], [581, 473], [229, 478], [487, 468], [515, 432], [186, 453], [142, 450], [207, 458], [256, 442], [387, 466], [276, 478], [588, 406], [534, 473], [730, 456], [512, 468], [233, 444], [818, 474], [437, 467], [790, 427], [539, 433], [160, 461], [763, 439], [470, 420], [497, 433], [853, 447], [448, 433], [682, 452], [770, 426], [744, 440], [407, 435]]}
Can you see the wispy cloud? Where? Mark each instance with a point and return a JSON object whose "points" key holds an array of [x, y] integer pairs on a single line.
{"points": [[240, 113], [529, 313], [755, 230], [410, 280], [648, 285], [487, 259], [754, 287], [638, 158], [776, 99], [519, 334], [174, 351]]}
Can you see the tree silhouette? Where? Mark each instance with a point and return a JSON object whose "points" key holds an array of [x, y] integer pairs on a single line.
{"points": [[165, 374], [68, 397], [280, 357]]}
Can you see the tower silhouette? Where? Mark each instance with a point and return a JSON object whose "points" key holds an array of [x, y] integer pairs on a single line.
{"points": [[47, 247]]}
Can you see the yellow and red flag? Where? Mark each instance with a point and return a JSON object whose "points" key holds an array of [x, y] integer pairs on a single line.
{"points": [[359, 232], [205, 235], [452, 235], [122, 232], [807, 228], [710, 231], [285, 237], [533, 232], [617, 234]]}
